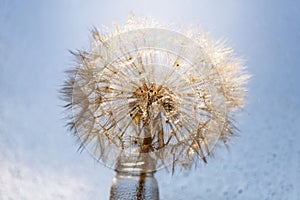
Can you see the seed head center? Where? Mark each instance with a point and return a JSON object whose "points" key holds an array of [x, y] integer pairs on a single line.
{"points": [[149, 102]]}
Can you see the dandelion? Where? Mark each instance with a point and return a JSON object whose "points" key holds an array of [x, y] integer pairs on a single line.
{"points": [[146, 90]]}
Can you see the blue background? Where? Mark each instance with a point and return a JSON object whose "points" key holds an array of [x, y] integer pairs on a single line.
{"points": [[38, 157]]}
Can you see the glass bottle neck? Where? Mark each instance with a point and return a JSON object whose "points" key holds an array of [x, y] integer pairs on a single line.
{"points": [[135, 179]]}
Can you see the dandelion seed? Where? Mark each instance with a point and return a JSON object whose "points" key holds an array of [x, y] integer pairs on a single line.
{"points": [[144, 89]]}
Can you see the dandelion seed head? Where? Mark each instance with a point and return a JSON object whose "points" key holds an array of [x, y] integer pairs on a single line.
{"points": [[143, 89]]}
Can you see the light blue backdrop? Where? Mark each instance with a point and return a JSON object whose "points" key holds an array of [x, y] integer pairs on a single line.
{"points": [[38, 157]]}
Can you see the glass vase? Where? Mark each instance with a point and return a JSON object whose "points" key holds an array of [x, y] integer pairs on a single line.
{"points": [[134, 179]]}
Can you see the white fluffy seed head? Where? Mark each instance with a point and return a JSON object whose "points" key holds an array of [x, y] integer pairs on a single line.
{"points": [[144, 90]]}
